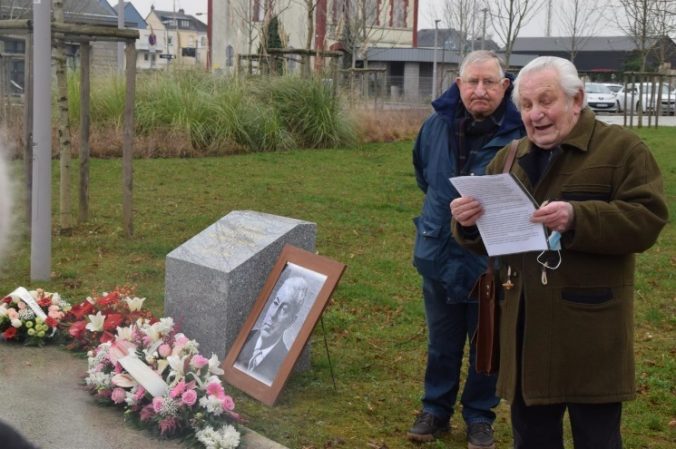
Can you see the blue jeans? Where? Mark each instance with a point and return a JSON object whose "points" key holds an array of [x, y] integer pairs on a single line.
{"points": [[449, 326]]}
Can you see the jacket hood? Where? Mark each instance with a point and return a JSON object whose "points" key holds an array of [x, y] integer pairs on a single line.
{"points": [[449, 103]]}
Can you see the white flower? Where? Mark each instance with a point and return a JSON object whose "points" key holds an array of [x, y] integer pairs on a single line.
{"points": [[90, 300], [96, 322], [134, 303], [125, 333], [16, 323], [56, 299], [165, 325], [225, 438], [215, 365], [123, 381], [212, 404], [177, 365]]}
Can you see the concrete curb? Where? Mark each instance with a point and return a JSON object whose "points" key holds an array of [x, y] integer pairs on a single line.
{"points": [[43, 399]]}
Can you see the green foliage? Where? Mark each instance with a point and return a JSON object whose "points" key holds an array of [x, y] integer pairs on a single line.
{"points": [[363, 200], [260, 114]]}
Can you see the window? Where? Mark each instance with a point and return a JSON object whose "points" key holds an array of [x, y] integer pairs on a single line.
{"points": [[399, 13], [258, 10], [184, 23], [188, 51]]}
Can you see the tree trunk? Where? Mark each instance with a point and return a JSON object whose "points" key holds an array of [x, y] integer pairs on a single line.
{"points": [[63, 130]]}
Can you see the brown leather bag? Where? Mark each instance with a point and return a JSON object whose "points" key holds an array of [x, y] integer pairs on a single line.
{"points": [[487, 335]]}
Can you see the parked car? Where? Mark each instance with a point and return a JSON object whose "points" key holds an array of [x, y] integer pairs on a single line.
{"points": [[614, 88], [644, 97], [600, 98]]}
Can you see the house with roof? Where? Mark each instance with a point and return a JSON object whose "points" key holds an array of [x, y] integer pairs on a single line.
{"points": [[598, 54], [86, 12], [181, 38], [148, 47]]}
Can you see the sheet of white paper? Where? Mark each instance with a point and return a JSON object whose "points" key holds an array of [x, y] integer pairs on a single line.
{"points": [[30, 301], [149, 379], [505, 225]]}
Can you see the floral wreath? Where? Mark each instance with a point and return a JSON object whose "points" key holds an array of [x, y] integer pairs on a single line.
{"points": [[32, 317]]}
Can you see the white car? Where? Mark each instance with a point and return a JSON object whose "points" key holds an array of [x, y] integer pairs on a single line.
{"points": [[600, 98], [644, 97], [613, 87]]}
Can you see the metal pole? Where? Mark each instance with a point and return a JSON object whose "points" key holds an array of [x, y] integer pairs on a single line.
{"points": [[41, 217], [483, 30], [120, 45], [434, 60]]}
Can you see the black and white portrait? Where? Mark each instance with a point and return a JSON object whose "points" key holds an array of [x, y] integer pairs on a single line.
{"points": [[277, 327]]}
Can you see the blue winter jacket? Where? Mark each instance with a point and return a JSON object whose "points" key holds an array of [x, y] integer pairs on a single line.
{"points": [[437, 255]]}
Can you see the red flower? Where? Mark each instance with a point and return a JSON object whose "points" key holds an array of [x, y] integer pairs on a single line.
{"points": [[9, 333], [80, 310], [112, 321], [45, 301], [110, 299], [51, 322], [77, 329], [106, 337], [7, 299]]}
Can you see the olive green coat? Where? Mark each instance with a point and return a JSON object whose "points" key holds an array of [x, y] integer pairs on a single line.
{"points": [[578, 328]]}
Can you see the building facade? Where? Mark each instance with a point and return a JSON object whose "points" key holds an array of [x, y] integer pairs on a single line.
{"points": [[238, 27]]}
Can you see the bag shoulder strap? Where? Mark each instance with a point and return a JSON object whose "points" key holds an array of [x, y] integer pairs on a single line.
{"points": [[511, 155]]}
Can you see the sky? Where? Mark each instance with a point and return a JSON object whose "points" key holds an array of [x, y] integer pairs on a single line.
{"points": [[433, 9]]}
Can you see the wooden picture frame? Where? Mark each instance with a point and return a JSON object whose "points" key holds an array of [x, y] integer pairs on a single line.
{"points": [[280, 323]]}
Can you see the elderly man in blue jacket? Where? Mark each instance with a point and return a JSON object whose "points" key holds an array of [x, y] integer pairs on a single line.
{"points": [[473, 119]]}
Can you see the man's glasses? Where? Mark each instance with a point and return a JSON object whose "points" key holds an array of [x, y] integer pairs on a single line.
{"points": [[488, 83]]}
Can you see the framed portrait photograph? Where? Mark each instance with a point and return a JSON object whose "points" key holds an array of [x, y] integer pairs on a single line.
{"points": [[281, 322]]}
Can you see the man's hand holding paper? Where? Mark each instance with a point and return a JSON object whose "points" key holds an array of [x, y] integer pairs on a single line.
{"points": [[504, 213]]}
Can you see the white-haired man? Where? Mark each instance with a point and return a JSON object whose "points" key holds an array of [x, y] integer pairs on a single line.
{"points": [[566, 322]]}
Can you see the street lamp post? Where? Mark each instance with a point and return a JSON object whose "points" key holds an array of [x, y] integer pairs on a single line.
{"points": [[434, 60], [483, 30]]}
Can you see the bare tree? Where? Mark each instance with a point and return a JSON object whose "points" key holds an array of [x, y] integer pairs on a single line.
{"points": [[460, 15], [508, 17], [638, 23], [360, 23], [580, 20], [63, 129], [665, 26]]}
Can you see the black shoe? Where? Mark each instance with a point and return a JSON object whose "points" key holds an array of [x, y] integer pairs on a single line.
{"points": [[427, 427], [480, 436]]}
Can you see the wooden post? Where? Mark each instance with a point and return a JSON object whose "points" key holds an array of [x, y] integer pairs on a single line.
{"points": [[85, 90], [28, 124], [127, 147]]}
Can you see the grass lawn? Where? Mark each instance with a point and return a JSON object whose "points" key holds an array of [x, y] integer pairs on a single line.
{"points": [[363, 200]]}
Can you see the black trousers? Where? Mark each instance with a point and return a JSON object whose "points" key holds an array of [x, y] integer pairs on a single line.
{"points": [[594, 426]]}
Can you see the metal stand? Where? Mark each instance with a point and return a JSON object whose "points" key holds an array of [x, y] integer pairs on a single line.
{"points": [[328, 356]]}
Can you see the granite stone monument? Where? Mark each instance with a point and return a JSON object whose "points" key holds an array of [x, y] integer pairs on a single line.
{"points": [[213, 280]]}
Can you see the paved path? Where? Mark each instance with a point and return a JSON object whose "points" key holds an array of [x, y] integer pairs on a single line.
{"points": [[41, 396]]}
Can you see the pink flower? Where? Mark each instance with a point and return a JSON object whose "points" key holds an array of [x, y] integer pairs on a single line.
{"points": [[177, 390], [165, 350], [167, 425], [181, 340], [118, 395], [21, 305], [189, 398], [215, 389], [228, 403], [146, 413], [140, 392], [158, 402], [198, 361]]}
